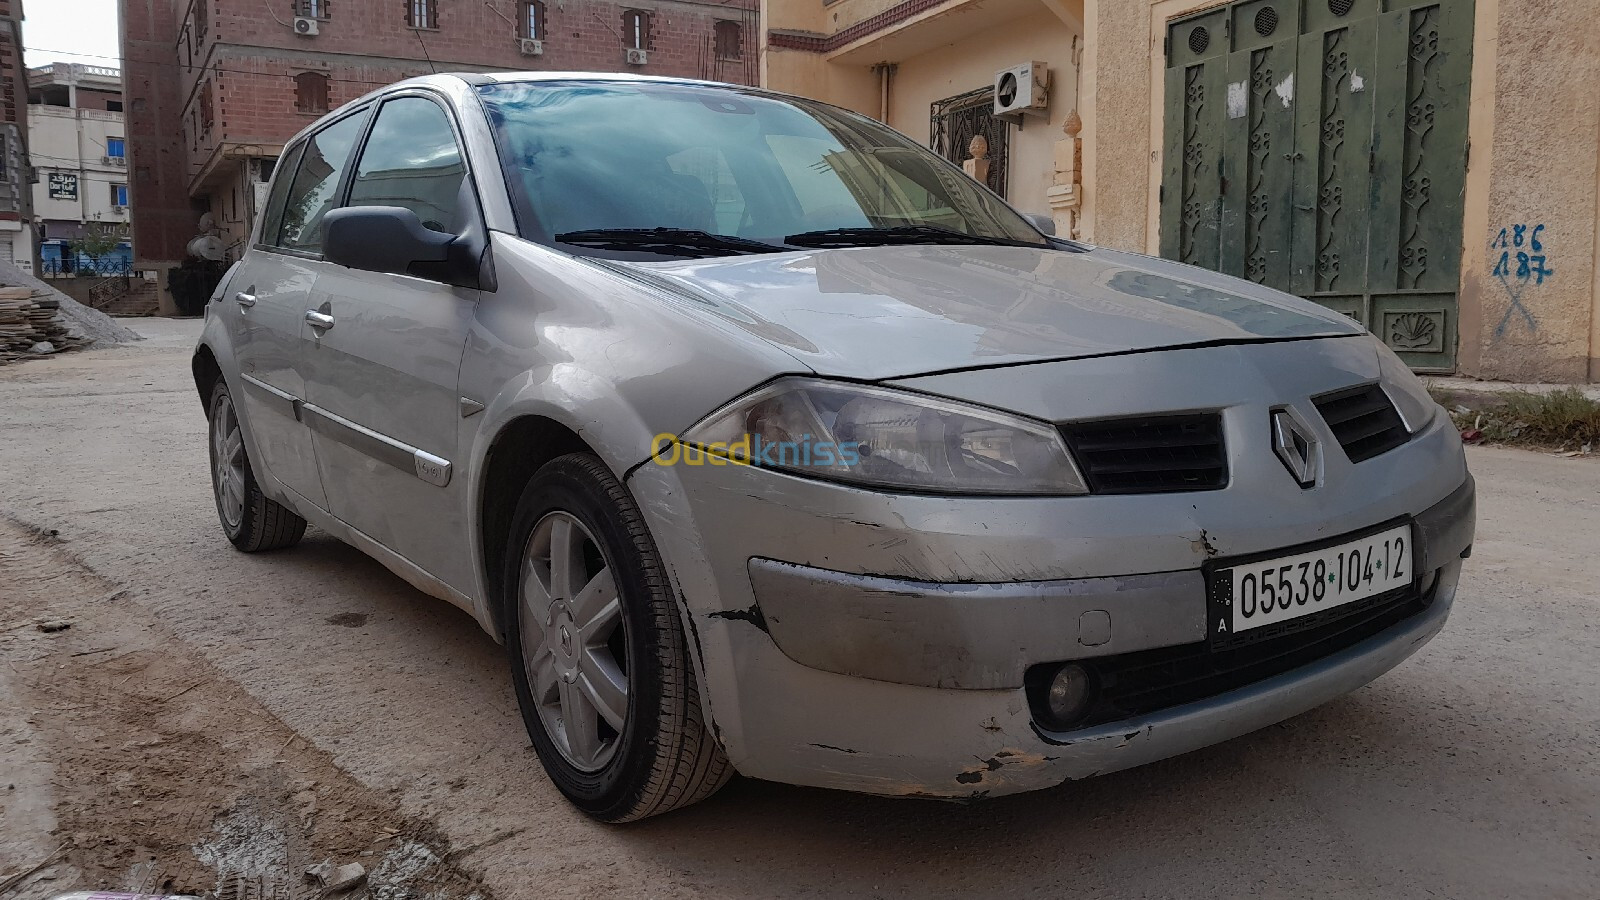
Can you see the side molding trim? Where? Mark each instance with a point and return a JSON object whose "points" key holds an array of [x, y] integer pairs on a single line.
{"points": [[280, 402], [433, 469]]}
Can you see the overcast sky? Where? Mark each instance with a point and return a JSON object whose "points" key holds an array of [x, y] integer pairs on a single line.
{"points": [[81, 31]]}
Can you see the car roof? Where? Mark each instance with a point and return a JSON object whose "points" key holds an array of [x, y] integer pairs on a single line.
{"points": [[517, 77], [477, 79]]}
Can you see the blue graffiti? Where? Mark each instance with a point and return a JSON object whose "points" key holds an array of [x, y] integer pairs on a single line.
{"points": [[1522, 262]]}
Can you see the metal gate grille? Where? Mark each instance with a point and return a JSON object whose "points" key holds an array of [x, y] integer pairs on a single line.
{"points": [[956, 120]]}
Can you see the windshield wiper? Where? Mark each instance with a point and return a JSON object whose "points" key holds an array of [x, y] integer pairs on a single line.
{"points": [[896, 234], [675, 241]]}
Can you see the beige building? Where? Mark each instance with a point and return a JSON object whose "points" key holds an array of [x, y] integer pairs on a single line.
{"points": [[77, 144], [1429, 167]]}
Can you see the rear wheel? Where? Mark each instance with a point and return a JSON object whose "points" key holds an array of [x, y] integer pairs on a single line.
{"points": [[598, 652], [249, 519]]}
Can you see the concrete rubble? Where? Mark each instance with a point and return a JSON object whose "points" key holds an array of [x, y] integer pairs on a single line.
{"points": [[37, 320], [336, 879]]}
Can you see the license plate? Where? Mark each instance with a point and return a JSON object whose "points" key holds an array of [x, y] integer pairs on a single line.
{"points": [[1288, 587]]}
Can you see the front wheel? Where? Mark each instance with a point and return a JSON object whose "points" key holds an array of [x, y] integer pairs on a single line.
{"points": [[249, 519], [598, 652]]}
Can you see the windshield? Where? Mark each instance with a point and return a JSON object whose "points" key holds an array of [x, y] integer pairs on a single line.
{"points": [[650, 170]]}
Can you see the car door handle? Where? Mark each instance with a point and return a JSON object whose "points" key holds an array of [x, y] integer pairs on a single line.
{"points": [[319, 319], [245, 300]]}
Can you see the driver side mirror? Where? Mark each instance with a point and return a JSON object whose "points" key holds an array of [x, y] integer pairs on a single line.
{"points": [[384, 239], [392, 239], [1045, 224]]}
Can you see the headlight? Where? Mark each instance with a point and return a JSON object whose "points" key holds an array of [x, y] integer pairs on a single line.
{"points": [[1405, 390], [889, 438]]}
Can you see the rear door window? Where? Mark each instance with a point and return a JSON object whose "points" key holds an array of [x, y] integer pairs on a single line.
{"points": [[315, 189], [287, 164]]}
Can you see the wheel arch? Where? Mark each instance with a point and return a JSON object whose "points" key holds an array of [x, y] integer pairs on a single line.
{"points": [[519, 448], [206, 373]]}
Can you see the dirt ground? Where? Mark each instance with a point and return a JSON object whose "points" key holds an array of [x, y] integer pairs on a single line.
{"points": [[212, 721]]}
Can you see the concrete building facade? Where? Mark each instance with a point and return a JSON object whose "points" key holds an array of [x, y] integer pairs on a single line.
{"points": [[78, 146], [16, 196], [1429, 167], [217, 86]]}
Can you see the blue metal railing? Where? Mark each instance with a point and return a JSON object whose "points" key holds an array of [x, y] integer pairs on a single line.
{"points": [[84, 267]]}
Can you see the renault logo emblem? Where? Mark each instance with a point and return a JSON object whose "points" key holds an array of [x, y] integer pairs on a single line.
{"points": [[1296, 446]]}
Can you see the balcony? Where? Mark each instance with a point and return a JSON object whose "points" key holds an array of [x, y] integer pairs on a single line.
{"points": [[872, 31]]}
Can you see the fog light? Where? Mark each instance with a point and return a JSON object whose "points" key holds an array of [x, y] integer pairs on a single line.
{"points": [[1068, 697]]}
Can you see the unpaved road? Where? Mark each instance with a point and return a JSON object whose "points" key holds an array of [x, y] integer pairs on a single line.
{"points": [[212, 710]]}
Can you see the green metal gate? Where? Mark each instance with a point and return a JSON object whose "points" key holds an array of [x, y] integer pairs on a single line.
{"points": [[1319, 147]]}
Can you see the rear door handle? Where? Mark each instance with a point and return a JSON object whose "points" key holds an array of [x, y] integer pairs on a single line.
{"points": [[245, 300], [319, 319]]}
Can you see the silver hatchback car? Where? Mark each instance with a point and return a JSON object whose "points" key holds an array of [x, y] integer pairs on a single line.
{"points": [[769, 442]]}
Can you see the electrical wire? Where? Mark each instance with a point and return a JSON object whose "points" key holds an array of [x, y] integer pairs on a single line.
{"points": [[220, 70]]}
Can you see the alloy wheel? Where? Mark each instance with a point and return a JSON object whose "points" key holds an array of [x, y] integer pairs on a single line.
{"points": [[574, 640], [228, 462]]}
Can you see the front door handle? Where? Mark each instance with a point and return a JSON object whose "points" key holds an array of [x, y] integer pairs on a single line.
{"points": [[245, 300], [319, 319]]}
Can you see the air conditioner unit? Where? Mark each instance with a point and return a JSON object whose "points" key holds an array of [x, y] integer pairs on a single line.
{"points": [[1022, 89], [638, 57], [118, 210], [113, 161], [530, 47], [309, 27]]}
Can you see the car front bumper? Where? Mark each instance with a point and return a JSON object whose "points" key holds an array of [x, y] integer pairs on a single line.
{"points": [[872, 642]]}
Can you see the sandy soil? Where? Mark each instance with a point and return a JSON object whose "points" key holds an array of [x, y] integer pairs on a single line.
{"points": [[268, 711]]}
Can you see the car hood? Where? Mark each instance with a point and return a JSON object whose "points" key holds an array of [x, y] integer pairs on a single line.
{"points": [[884, 312]]}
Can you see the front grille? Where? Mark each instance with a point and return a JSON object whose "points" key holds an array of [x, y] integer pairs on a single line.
{"points": [[1363, 420], [1150, 454], [1146, 681]]}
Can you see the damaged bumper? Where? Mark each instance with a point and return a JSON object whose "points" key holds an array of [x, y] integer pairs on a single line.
{"points": [[878, 643]]}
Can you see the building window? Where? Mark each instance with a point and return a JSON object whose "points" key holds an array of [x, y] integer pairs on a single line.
{"points": [[205, 109], [533, 19], [311, 92], [311, 9], [113, 106], [636, 30], [119, 195], [422, 14], [955, 121], [729, 40], [116, 148]]}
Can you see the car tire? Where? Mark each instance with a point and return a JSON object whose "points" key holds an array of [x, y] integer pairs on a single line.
{"points": [[590, 610], [251, 520]]}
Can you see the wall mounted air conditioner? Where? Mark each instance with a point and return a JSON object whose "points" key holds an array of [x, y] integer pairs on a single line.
{"points": [[638, 57], [306, 26], [118, 210], [530, 47], [1022, 90], [113, 160]]}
